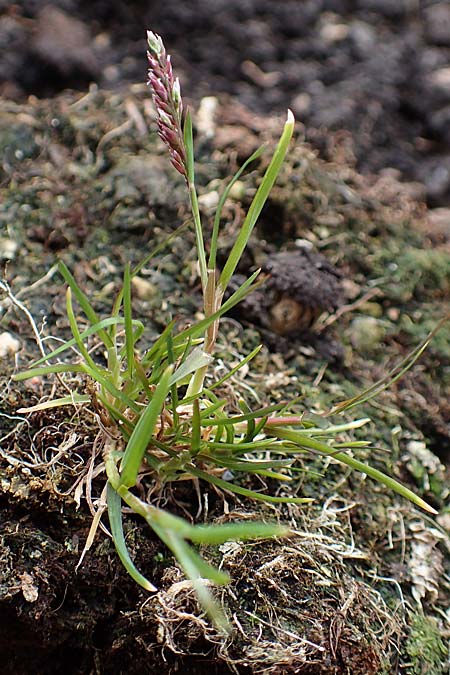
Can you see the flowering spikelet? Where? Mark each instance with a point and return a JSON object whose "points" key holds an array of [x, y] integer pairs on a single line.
{"points": [[167, 98]]}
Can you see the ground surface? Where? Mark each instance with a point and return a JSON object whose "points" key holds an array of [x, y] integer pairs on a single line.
{"points": [[364, 585], [378, 68]]}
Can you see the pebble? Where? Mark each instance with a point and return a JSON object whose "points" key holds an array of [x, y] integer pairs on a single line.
{"points": [[8, 248], [9, 345], [238, 191], [429, 461], [301, 104], [333, 32], [143, 288], [366, 333], [206, 116], [209, 200]]}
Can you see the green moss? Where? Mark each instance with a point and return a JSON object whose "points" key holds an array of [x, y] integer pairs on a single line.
{"points": [[426, 269], [426, 650], [17, 142]]}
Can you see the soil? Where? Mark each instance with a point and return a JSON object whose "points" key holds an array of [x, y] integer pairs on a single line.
{"points": [[376, 68], [363, 585]]}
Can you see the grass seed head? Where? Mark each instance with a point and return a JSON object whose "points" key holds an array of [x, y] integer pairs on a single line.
{"points": [[166, 96]]}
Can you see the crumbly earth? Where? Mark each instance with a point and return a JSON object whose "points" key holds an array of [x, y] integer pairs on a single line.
{"points": [[362, 586], [377, 68]]}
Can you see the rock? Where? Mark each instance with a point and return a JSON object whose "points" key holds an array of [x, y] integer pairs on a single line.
{"points": [[437, 24], [301, 104], [8, 248], [238, 191], [209, 200], [366, 333], [334, 32], [9, 345], [205, 120], [143, 288]]}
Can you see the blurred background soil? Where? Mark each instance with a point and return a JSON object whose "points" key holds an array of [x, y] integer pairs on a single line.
{"points": [[84, 178], [378, 68]]}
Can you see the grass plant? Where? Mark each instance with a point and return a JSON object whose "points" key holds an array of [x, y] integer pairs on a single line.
{"points": [[161, 418]]}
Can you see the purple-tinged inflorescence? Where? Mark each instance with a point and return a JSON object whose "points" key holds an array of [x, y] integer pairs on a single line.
{"points": [[167, 98]]}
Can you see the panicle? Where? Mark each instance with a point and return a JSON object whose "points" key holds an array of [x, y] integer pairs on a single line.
{"points": [[167, 99]]}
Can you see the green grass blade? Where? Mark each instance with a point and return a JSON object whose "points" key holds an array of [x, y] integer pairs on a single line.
{"points": [[143, 431], [115, 521], [159, 346], [242, 531], [237, 489], [153, 253], [136, 335], [196, 569], [196, 428], [142, 377], [332, 430], [249, 465], [194, 361], [189, 145], [220, 205], [92, 330], [173, 387], [239, 419], [251, 424], [217, 406], [49, 370], [125, 425], [84, 303], [199, 328], [242, 448], [75, 331], [170, 530], [258, 202], [73, 399], [127, 311], [160, 247], [203, 570], [327, 450]]}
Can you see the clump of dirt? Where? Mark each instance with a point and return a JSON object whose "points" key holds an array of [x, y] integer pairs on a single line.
{"points": [[339, 595], [301, 286]]}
